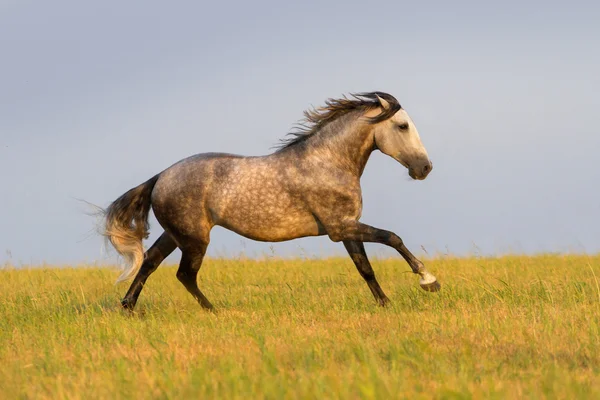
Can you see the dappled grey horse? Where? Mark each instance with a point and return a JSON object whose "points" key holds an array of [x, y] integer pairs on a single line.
{"points": [[310, 186]]}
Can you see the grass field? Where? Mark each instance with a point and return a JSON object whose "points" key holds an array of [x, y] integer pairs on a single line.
{"points": [[508, 327]]}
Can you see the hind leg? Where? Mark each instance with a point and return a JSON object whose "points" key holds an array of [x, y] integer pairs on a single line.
{"points": [[191, 261], [160, 250]]}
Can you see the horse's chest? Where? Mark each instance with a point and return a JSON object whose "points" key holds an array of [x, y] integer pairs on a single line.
{"points": [[338, 201]]}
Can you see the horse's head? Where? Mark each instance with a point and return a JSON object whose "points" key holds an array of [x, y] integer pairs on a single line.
{"points": [[398, 137]]}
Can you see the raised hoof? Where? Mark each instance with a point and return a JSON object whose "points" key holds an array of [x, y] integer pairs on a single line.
{"points": [[431, 286]]}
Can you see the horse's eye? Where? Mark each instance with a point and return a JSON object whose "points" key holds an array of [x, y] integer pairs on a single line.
{"points": [[403, 127]]}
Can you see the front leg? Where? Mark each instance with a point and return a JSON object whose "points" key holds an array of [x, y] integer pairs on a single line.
{"points": [[359, 257], [357, 231]]}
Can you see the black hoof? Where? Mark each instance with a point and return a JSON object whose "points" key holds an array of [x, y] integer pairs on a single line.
{"points": [[127, 305], [383, 302], [431, 287]]}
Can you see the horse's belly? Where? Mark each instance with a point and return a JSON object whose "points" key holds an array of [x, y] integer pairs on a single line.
{"points": [[270, 225]]}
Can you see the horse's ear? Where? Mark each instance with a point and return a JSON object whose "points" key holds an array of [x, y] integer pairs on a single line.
{"points": [[384, 103]]}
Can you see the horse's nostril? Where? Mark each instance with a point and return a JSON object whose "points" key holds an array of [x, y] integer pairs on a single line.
{"points": [[427, 168]]}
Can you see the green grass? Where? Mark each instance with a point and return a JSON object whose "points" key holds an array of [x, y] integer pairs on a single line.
{"points": [[508, 327]]}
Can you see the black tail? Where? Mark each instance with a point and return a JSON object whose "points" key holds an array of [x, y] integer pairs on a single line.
{"points": [[126, 225]]}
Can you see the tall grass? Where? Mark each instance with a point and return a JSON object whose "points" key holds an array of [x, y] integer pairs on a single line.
{"points": [[508, 327]]}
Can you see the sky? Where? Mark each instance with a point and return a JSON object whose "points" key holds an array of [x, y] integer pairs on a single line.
{"points": [[96, 97]]}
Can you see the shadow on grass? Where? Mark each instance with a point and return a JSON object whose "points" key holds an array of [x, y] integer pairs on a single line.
{"points": [[110, 305]]}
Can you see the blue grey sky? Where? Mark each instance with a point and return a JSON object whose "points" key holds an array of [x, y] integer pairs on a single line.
{"points": [[96, 97]]}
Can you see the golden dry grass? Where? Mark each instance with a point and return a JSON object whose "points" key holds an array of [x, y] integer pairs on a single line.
{"points": [[508, 327]]}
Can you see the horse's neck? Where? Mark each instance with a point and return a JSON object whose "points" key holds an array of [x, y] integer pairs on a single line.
{"points": [[348, 144]]}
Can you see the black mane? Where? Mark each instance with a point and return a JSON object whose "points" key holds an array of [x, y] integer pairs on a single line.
{"points": [[316, 118]]}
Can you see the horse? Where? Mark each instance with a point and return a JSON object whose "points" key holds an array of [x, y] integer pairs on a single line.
{"points": [[309, 186]]}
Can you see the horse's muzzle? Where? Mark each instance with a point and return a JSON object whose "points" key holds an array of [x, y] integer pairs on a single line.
{"points": [[420, 171]]}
